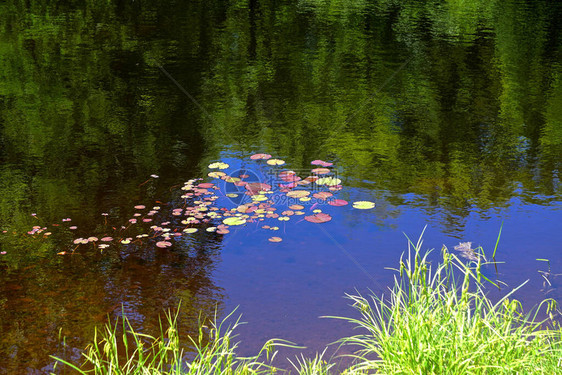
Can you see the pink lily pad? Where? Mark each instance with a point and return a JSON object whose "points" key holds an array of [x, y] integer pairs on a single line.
{"points": [[318, 218], [163, 244], [321, 163], [260, 156], [337, 202]]}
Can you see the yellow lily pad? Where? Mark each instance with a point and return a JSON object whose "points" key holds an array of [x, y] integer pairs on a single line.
{"points": [[218, 165], [363, 205]]}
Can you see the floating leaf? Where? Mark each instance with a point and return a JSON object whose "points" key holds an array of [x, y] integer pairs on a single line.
{"points": [[126, 241], [216, 174], [234, 221], [321, 170], [163, 244], [363, 205], [255, 188], [337, 202], [321, 163], [260, 156], [322, 195], [275, 239], [296, 207], [275, 162], [154, 175], [283, 218], [140, 207], [318, 218], [328, 181], [211, 229], [73, 227], [298, 194], [190, 230], [218, 165], [206, 185]]}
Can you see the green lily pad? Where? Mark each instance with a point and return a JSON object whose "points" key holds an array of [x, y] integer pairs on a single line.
{"points": [[234, 220]]}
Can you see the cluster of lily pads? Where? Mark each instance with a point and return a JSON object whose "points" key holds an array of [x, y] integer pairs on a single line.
{"points": [[253, 200]]}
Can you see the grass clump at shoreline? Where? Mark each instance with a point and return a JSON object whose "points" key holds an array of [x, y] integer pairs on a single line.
{"points": [[436, 319], [439, 320]]}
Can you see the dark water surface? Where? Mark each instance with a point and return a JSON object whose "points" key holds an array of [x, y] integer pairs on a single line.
{"points": [[445, 114]]}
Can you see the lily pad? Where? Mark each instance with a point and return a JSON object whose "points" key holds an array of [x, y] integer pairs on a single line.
{"points": [[363, 205], [318, 218], [216, 174], [337, 202], [320, 170], [298, 194], [190, 230], [321, 163], [163, 244], [328, 181], [322, 195], [275, 239], [275, 162], [218, 165], [260, 156], [234, 220]]}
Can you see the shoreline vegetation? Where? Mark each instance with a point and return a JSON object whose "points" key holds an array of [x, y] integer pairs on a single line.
{"points": [[436, 319]]}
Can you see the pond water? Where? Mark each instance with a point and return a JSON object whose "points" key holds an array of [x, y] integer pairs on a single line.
{"points": [[446, 115]]}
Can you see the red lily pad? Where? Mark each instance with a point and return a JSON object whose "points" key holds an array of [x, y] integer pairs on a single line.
{"points": [[318, 218], [322, 195], [337, 202], [255, 187]]}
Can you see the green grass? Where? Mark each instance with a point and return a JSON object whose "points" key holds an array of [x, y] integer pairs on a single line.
{"points": [[436, 319]]}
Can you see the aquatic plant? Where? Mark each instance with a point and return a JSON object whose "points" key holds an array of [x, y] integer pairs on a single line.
{"points": [[229, 198]]}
